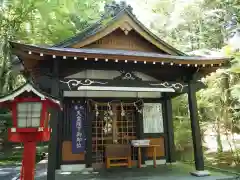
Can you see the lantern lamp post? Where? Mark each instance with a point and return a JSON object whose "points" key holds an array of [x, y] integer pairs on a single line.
{"points": [[30, 122]]}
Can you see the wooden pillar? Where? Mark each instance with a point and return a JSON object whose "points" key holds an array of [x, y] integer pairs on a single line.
{"points": [[196, 135], [90, 116], [140, 133], [53, 144], [60, 136], [169, 129]]}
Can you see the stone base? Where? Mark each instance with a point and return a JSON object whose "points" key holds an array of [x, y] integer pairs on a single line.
{"points": [[143, 165], [72, 167], [200, 173], [158, 162], [172, 163]]}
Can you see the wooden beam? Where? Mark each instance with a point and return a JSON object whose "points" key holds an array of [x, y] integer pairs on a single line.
{"points": [[160, 72], [73, 84], [131, 66]]}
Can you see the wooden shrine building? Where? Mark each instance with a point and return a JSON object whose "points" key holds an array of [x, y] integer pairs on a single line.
{"points": [[116, 81]]}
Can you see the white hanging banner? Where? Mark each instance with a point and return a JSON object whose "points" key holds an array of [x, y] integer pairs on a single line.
{"points": [[152, 118]]}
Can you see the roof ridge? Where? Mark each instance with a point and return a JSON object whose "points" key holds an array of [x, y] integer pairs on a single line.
{"points": [[98, 26], [95, 25]]}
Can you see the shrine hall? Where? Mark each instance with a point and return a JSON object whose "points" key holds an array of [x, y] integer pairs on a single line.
{"points": [[116, 81]]}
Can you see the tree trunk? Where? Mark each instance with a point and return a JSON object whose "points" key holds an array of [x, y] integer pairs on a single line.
{"points": [[219, 141], [227, 117], [226, 101]]}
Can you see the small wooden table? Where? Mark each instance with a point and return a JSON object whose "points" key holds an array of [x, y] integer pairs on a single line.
{"points": [[140, 154]]}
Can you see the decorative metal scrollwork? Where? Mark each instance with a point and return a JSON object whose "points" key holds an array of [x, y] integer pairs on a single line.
{"points": [[127, 76], [177, 86], [86, 82]]}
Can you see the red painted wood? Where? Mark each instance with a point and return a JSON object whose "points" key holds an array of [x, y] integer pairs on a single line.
{"points": [[27, 99], [51, 103], [29, 158], [29, 136], [26, 130], [43, 113], [21, 172]]}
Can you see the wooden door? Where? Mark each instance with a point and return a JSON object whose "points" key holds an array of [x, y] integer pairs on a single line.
{"points": [[113, 124]]}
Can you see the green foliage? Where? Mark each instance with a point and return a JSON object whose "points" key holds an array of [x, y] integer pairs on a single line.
{"points": [[50, 21], [203, 27], [183, 139], [38, 22], [194, 25]]}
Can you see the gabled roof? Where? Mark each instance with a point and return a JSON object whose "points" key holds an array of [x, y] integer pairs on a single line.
{"points": [[101, 29], [28, 87]]}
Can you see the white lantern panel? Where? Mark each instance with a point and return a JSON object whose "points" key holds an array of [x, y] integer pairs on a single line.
{"points": [[21, 122], [35, 122], [29, 114], [152, 118]]}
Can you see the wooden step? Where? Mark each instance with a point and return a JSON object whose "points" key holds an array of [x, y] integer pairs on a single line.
{"points": [[119, 158], [110, 162], [118, 164]]}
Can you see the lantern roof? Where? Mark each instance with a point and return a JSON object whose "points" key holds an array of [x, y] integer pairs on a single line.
{"points": [[28, 87]]}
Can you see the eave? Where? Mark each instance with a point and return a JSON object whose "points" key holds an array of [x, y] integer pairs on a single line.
{"points": [[43, 53]]}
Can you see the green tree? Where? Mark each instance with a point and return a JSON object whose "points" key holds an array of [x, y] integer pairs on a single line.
{"points": [[38, 22], [204, 27]]}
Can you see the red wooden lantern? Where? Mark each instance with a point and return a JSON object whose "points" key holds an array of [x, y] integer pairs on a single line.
{"points": [[30, 122]]}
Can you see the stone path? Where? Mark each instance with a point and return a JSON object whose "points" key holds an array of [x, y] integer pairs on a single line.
{"points": [[13, 172], [9, 172], [164, 172], [178, 171]]}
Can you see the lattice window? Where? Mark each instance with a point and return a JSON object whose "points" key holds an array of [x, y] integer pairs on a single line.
{"points": [[29, 114], [109, 128]]}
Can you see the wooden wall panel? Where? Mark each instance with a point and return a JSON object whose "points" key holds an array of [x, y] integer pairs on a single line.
{"points": [[160, 150], [67, 154], [30, 63], [119, 40], [67, 130]]}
